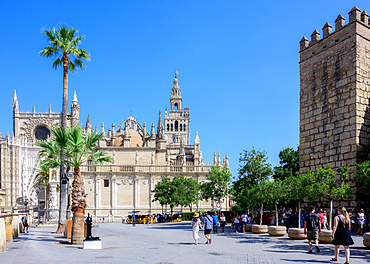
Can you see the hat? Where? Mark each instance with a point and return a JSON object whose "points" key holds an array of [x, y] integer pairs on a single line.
{"points": [[196, 215]]}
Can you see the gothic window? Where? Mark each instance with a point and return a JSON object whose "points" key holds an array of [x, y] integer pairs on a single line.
{"points": [[106, 183], [171, 127], [184, 127], [42, 132], [168, 127], [180, 127], [176, 125]]}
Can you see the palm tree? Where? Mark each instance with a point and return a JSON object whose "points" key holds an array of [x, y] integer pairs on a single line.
{"points": [[78, 149], [64, 45], [42, 175]]}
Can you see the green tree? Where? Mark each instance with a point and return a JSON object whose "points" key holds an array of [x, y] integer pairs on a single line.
{"points": [[332, 189], [275, 193], [64, 43], [217, 185], [42, 175], [362, 178], [78, 148], [289, 164], [165, 193]]}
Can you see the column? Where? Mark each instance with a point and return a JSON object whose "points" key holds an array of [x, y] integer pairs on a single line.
{"points": [[97, 194], [114, 196]]}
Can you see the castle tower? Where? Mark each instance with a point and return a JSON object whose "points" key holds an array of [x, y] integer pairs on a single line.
{"points": [[334, 94], [75, 111], [177, 123]]}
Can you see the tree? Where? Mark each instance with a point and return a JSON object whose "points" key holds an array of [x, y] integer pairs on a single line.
{"points": [[289, 164], [78, 148], [217, 185], [187, 191], [276, 193], [64, 45], [253, 170], [164, 193], [42, 175], [362, 178], [331, 189]]}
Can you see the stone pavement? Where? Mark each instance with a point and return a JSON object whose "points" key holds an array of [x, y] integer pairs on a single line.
{"points": [[170, 243]]}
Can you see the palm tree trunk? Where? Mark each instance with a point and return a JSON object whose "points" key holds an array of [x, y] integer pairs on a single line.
{"points": [[63, 187], [78, 207]]}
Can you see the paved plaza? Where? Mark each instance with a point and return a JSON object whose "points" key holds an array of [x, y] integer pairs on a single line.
{"points": [[170, 243]]}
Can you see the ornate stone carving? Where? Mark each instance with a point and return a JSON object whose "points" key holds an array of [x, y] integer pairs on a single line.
{"points": [[29, 126]]}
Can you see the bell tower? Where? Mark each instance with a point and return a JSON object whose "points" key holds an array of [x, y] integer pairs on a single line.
{"points": [[177, 122]]}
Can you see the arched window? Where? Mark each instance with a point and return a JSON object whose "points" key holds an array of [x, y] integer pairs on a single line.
{"points": [[180, 127], [171, 127], [168, 127], [176, 125], [184, 127], [176, 106]]}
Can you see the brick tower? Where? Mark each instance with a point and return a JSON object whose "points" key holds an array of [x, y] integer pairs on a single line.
{"points": [[334, 94]]}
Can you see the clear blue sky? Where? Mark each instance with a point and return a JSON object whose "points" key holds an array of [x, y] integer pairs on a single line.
{"points": [[238, 64]]}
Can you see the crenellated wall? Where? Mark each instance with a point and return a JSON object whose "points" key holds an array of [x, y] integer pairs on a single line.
{"points": [[334, 94]]}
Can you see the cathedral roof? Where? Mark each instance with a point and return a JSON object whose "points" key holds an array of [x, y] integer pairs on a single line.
{"points": [[136, 139]]}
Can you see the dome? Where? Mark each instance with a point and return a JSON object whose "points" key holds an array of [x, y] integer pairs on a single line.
{"points": [[130, 118], [136, 139]]}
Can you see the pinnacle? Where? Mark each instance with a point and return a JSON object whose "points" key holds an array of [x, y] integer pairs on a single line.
{"points": [[339, 17], [327, 25], [364, 12], [304, 39], [354, 9]]}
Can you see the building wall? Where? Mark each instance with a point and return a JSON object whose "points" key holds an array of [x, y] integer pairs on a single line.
{"points": [[334, 96]]}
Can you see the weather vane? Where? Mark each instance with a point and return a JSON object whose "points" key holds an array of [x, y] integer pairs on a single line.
{"points": [[176, 74]]}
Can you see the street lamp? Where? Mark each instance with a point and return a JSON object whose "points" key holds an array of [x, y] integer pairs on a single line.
{"points": [[70, 175]]}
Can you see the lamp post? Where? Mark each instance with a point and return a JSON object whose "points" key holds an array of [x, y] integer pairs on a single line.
{"points": [[69, 214]]}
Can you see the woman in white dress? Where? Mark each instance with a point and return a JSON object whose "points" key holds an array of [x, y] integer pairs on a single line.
{"points": [[196, 223]]}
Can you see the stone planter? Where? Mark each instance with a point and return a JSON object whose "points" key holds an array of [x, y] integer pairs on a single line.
{"points": [[259, 229], [277, 230], [296, 233], [326, 236], [367, 239], [248, 227]]}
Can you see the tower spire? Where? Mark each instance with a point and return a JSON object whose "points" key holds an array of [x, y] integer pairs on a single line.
{"points": [[160, 126], [15, 101]]}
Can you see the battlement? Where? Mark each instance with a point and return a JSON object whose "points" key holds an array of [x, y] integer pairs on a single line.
{"points": [[355, 15]]}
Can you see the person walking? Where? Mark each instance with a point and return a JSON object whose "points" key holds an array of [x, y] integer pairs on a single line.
{"points": [[312, 227], [223, 222], [236, 223], [25, 223], [133, 220], [244, 218], [196, 224], [341, 233], [215, 222], [361, 222], [208, 225]]}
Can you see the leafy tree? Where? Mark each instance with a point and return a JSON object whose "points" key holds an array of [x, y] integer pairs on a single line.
{"points": [[331, 189], [186, 191], [217, 185], [253, 169], [275, 192], [42, 175], [362, 178], [289, 164], [78, 149], [64, 43], [164, 193]]}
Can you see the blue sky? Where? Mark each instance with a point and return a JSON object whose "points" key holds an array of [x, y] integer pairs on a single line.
{"points": [[238, 63]]}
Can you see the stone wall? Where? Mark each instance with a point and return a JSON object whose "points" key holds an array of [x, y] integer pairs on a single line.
{"points": [[334, 95]]}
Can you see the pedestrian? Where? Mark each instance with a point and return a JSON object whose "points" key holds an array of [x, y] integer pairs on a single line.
{"points": [[236, 223], [312, 227], [322, 214], [223, 222], [244, 218], [133, 220], [122, 219], [215, 222], [208, 225], [361, 219], [196, 223], [25, 223], [341, 233]]}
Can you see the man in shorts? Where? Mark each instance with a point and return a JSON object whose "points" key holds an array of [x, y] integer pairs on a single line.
{"points": [[361, 222], [208, 226], [312, 227], [25, 223]]}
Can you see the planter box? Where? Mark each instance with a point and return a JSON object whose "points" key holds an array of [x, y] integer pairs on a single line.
{"points": [[326, 236], [248, 227], [277, 230], [259, 229], [367, 239], [296, 233]]}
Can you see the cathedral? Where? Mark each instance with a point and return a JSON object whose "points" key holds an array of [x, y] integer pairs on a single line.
{"points": [[141, 157]]}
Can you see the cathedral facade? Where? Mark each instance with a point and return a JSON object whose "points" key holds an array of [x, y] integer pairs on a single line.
{"points": [[142, 156]]}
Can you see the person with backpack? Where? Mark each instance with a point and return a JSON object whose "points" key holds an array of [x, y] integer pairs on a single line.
{"points": [[25, 223], [312, 227], [208, 226]]}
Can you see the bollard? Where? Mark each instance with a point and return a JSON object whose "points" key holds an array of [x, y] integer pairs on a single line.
{"points": [[15, 226], [2, 235], [8, 228]]}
